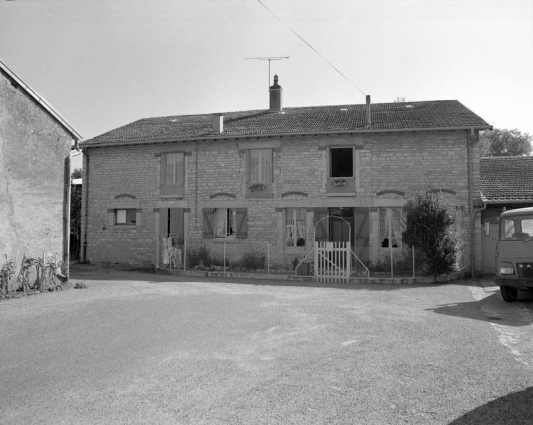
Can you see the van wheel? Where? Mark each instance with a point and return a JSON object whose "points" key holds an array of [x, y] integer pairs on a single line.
{"points": [[509, 294]]}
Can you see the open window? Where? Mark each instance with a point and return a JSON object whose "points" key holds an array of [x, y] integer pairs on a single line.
{"points": [[390, 227], [125, 217], [341, 163], [295, 227], [225, 223]]}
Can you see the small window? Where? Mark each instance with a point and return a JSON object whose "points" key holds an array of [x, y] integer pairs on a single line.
{"points": [[390, 227], [225, 223], [341, 162], [295, 229], [125, 217]]}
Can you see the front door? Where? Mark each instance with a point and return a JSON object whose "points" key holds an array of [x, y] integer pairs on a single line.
{"points": [[341, 225], [171, 238]]}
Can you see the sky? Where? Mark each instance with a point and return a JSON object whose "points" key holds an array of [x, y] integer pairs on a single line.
{"points": [[105, 63]]}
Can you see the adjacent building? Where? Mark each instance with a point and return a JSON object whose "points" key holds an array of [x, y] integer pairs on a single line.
{"points": [[282, 176], [35, 144]]}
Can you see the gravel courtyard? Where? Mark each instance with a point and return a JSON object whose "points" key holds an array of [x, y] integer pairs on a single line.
{"points": [[140, 348]]}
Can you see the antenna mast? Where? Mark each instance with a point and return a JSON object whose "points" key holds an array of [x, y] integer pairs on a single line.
{"points": [[269, 58]]}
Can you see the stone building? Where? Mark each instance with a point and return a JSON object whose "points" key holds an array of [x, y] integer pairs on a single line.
{"points": [[35, 145], [283, 177]]}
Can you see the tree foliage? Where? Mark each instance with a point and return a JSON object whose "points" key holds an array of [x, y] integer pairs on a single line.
{"points": [[76, 174], [431, 228], [502, 142]]}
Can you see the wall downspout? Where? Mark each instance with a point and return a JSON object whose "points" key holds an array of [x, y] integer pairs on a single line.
{"points": [[85, 191], [66, 218], [471, 138]]}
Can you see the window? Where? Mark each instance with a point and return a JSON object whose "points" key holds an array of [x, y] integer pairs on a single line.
{"points": [[260, 166], [225, 222], [295, 229], [172, 173], [341, 162], [390, 227], [125, 216]]}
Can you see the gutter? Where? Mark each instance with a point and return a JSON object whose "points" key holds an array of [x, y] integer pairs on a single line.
{"points": [[270, 135]]}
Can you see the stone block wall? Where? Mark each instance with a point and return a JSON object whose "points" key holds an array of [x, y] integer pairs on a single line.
{"points": [[389, 168]]}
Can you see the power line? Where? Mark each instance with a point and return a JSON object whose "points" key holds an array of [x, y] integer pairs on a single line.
{"points": [[311, 47]]}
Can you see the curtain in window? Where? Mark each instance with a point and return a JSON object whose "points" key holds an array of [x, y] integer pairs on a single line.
{"points": [[175, 168], [260, 166], [221, 215]]}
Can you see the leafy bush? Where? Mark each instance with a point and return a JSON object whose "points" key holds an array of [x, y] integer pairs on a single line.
{"points": [[253, 260], [431, 227], [202, 255]]}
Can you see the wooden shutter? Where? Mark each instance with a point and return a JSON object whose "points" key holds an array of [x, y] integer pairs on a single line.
{"points": [[176, 223], [362, 233], [163, 221], [209, 221], [321, 224], [163, 174], [242, 223]]}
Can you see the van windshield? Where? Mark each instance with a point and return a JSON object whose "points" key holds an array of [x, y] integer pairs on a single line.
{"points": [[516, 228]]}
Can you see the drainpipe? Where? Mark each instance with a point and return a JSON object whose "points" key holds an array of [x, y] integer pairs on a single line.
{"points": [[85, 191], [66, 217], [471, 138]]}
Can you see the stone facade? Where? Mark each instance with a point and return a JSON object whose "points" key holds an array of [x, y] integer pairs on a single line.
{"points": [[388, 169], [34, 148]]}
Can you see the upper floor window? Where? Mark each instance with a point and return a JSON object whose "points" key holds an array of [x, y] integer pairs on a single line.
{"points": [[260, 166], [259, 173], [341, 164], [390, 227], [172, 173]]}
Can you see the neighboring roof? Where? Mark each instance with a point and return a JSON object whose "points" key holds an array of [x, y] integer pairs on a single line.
{"points": [[429, 115], [40, 100], [506, 179]]}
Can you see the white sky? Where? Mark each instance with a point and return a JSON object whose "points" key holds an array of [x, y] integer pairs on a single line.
{"points": [[103, 64]]}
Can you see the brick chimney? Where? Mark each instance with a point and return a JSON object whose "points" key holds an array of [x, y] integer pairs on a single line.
{"points": [[276, 93], [218, 123], [368, 117]]}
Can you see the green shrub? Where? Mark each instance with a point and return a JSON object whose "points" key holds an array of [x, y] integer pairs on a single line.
{"points": [[431, 228], [253, 260]]}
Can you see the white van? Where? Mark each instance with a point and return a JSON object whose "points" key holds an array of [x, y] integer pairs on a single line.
{"points": [[514, 253]]}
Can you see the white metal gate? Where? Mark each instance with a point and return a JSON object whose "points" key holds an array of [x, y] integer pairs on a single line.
{"points": [[332, 261]]}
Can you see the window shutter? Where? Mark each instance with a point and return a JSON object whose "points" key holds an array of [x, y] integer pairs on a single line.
{"points": [[242, 223], [163, 221], [163, 174], [176, 223], [321, 224], [209, 220], [362, 233]]}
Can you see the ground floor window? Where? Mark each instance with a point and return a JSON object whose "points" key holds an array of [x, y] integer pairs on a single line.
{"points": [[225, 222], [391, 226], [295, 231], [125, 216]]}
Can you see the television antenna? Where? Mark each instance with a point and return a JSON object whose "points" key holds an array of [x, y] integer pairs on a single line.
{"points": [[269, 58]]}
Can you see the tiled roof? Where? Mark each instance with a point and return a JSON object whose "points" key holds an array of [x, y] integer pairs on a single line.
{"points": [[506, 179], [385, 116]]}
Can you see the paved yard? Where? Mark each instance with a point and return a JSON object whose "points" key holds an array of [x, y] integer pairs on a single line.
{"points": [[150, 349]]}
